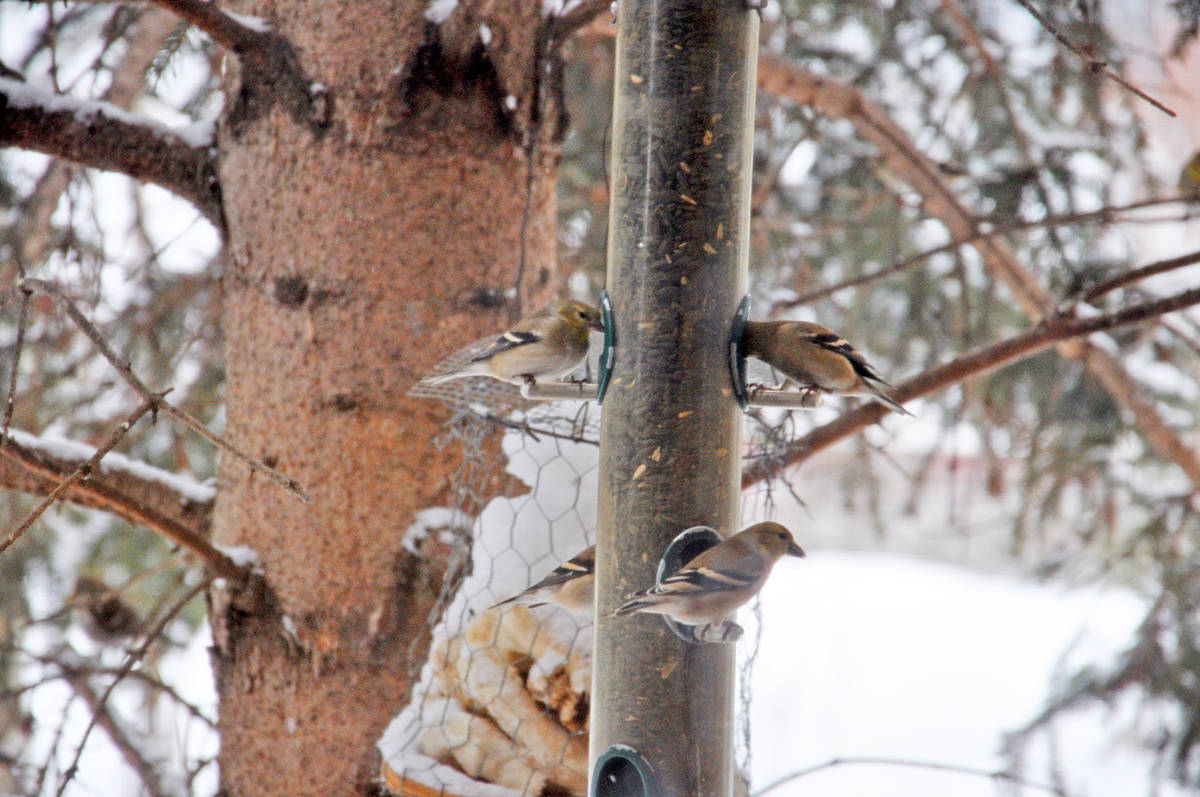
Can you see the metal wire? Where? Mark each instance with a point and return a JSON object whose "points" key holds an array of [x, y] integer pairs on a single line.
{"points": [[503, 696]]}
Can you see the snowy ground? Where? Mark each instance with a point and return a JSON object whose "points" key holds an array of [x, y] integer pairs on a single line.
{"points": [[870, 655]]}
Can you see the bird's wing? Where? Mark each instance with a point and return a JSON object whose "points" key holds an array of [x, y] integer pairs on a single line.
{"points": [[578, 566], [509, 340], [730, 574], [835, 343]]}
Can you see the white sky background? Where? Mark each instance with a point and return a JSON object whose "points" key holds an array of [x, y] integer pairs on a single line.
{"points": [[879, 655], [864, 653]]}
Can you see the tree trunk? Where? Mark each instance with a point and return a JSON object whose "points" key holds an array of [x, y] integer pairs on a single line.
{"points": [[370, 231]]}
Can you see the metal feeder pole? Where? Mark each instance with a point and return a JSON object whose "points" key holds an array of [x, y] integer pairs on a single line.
{"points": [[670, 442]]}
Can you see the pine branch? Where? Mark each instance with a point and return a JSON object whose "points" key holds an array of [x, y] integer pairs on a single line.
{"points": [[1139, 274], [1093, 64], [227, 30], [839, 100], [1104, 215], [103, 136], [271, 70], [1052, 330], [34, 234], [157, 403], [147, 502]]}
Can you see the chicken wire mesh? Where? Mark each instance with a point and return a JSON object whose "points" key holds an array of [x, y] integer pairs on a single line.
{"points": [[503, 697]]}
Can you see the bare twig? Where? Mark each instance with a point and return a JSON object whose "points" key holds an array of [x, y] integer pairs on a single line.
{"points": [[535, 432], [1138, 274], [137, 675], [1093, 64], [983, 230], [133, 756], [126, 372], [839, 100], [82, 471], [52, 749], [287, 482], [1049, 332], [133, 658], [10, 398], [108, 495], [996, 774], [87, 328]]}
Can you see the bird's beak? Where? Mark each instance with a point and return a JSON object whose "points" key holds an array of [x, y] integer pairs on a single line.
{"points": [[597, 324], [794, 550]]}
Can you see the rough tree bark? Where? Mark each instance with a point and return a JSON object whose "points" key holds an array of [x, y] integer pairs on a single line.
{"points": [[385, 187], [371, 227]]}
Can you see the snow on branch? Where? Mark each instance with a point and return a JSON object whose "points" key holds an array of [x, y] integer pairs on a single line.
{"points": [[241, 34], [175, 506], [103, 136], [81, 472], [59, 452]]}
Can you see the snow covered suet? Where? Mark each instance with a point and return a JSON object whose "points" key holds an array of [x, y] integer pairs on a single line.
{"points": [[712, 586], [547, 345], [816, 358], [570, 586]]}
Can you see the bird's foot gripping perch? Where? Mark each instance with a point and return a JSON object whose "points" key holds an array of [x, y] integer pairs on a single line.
{"points": [[811, 398], [727, 631]]}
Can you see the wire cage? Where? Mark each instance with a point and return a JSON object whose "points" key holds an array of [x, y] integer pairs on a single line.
{"points": [[503, 698]]}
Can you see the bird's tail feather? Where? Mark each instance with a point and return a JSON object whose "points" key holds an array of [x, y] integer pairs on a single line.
{"points": [[440, 378], [505, 602], [888, 400], [634, 605], [522, 599]]}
